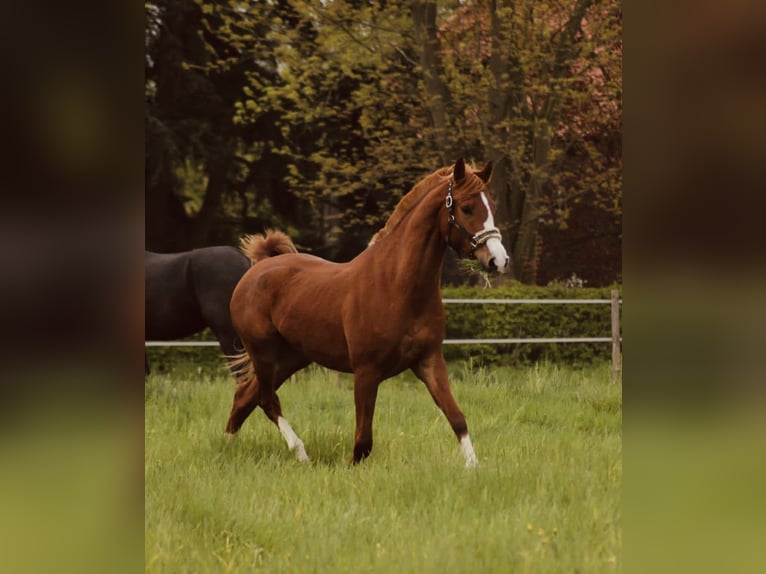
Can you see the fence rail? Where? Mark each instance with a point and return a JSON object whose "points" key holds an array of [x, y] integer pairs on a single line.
{"points": [[529, 301], [615, 337]]}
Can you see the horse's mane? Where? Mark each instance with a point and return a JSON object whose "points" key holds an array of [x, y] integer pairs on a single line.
{"points": [[407, 202]]}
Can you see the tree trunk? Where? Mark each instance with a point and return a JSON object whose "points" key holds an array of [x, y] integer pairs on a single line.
{"points": [[501, 191], [165, 211], [437, 93], [203, 225], [505, 184], [526, 253]]}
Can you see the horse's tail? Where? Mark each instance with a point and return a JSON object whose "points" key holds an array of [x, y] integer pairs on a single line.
{"points": [[269, 244], [241, 366]]}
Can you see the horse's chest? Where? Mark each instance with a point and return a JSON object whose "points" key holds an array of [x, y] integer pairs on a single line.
{"points": [[404, 344], [422, 336]]}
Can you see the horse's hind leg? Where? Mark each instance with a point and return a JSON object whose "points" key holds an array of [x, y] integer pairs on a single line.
{"points": [[246, 398], [433, 372], [269, 402]]}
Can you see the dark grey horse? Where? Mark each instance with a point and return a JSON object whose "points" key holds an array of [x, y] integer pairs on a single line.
{"points": [[191, 290]]}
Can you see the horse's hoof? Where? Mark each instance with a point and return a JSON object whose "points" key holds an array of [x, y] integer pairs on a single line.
{"points": [[300, 453]]}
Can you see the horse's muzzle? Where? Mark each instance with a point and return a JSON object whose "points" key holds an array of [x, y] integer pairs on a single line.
{"points": [[492, 266], [493, 256]]}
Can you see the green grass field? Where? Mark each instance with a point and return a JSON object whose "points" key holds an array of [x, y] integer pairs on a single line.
{"points": [[545, 497]]}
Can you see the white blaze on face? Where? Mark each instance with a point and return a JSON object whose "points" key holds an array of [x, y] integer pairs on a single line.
{"points": [[293, 442], [467, 448], [494, 245]]}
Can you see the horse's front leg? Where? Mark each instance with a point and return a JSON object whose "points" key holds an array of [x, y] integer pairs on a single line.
{"points": [[365, 394], [433, 372]]}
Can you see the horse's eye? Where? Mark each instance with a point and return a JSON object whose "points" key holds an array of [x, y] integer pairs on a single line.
{"points": [[466, 209]]}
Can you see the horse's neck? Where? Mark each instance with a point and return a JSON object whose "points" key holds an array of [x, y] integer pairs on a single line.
{"points": [[413, 255]]}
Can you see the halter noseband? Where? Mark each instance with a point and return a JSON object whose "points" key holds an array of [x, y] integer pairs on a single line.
{"points": [[476, 240]]}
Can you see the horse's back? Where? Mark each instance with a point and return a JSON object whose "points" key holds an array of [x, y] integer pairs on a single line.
{"points": [[185, 292], [276, 278]]}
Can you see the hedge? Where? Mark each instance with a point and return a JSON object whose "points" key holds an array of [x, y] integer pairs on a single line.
{"points": [[189, 360], [504, 321], [480, 321]]}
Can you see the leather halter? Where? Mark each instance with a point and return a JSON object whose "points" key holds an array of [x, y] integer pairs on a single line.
{"points": [[477, 239]]}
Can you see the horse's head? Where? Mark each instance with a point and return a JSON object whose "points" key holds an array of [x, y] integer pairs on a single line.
{"points": [[471, 230]]}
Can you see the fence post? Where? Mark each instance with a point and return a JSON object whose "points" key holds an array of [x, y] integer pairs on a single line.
{"points": [[616, 357]]}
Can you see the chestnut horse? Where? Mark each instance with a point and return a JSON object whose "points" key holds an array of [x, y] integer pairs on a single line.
{"points": [[375, 316]]}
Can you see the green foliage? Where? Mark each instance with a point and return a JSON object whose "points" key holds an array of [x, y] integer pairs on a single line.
{"points": [[544, 498], [342, 91], [502, 321], [318, 117]]}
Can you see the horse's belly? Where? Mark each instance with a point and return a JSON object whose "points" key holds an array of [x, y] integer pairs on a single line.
{"points": [[320, 346], [335, 363]]}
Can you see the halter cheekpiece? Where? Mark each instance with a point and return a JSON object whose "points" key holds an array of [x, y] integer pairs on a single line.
{"points": [[477, 239]]}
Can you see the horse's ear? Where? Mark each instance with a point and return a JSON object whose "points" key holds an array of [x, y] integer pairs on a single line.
{"points": [[459, 172], [485, 173]]}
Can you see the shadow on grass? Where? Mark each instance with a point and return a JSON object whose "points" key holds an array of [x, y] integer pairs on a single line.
{"points": [[330, 449]]}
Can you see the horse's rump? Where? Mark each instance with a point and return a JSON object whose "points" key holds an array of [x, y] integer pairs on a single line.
{"points": [[296, 298]]}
